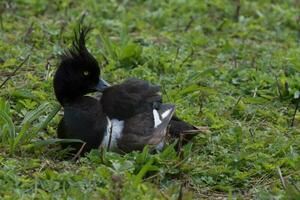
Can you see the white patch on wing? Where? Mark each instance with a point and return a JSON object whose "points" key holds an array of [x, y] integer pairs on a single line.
{"points": [[166, 113], [114, 128], [156, 117]]}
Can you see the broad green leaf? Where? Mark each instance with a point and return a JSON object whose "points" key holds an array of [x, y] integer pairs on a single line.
{"points": [[147, 167], [131, 51]]}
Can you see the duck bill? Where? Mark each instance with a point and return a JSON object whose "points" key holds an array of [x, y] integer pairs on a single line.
{"points": [[102, 85]]}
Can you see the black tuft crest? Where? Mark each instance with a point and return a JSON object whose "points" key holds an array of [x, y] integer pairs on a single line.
{"points": [[79, 49], [78, 71]]}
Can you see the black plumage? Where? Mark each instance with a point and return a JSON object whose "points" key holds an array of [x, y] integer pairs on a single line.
{"points": [[92, 121], [132, 97], [136, 96], [134, 139], [83, 119], [78, 72]]}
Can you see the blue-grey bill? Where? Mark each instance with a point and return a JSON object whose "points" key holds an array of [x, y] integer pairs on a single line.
{"points": [[102, 85]]}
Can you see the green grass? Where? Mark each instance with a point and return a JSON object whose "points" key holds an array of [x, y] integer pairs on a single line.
{"points": [[236, 72]]}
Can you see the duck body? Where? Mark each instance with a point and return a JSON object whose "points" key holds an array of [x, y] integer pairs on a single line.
{"points": [[128, 116], [136, 96], [84, 119], [134, 133], [146, 118]]}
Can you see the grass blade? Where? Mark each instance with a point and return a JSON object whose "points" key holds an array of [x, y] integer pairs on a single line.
{"points": [[34, 114], [50, 141], [54, 111], [7, 119]]}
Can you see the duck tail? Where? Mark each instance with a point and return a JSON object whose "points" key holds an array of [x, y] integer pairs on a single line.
{"points": [[183, 130]]}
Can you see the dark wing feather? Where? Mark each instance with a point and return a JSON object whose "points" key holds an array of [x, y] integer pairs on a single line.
{"points": [[139, 130], [129, 98]]}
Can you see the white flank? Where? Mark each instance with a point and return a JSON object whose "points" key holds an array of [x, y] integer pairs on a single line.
{"points": [[166, 113], [114, 128], [157, 120]]}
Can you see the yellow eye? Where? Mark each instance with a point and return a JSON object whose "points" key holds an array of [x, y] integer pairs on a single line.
{"points": [[85, 73]]}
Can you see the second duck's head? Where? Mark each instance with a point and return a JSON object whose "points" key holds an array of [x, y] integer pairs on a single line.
{"points": [[78, 72]]}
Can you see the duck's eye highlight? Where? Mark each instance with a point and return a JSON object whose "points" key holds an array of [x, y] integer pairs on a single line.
{"points": [[85, 73]]}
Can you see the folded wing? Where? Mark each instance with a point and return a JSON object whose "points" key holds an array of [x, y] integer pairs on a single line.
{"points": [[130, 98], [147, 128]]}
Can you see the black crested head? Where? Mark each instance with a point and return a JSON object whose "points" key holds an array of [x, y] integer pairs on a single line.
{"points": [[78, 72]]}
